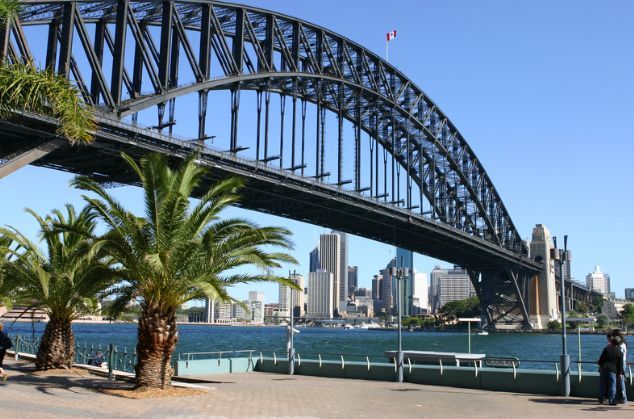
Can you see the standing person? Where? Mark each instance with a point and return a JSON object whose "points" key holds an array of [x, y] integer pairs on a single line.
{"points": [[5, 343], [621, 390], [611, 360], [603, 375]]}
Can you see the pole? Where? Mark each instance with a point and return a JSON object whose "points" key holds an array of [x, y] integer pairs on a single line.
{"points": [[387, 51], [565, 358], [291, 348], [469, 335], [399, 355]]}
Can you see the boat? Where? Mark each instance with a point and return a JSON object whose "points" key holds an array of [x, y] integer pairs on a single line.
{"points": [[483, 333], [348, 326]]}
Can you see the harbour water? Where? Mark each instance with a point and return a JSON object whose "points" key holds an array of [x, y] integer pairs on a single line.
{"points": [[535, 350]]}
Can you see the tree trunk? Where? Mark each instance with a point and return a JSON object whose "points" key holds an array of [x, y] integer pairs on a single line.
{"points": [[57, 347], [157, 337]]}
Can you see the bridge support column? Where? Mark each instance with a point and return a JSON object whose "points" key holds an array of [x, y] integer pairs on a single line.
{"points": [[543, 293]]}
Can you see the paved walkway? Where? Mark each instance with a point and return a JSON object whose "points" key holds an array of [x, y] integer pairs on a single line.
{"points": [[260, 395]]}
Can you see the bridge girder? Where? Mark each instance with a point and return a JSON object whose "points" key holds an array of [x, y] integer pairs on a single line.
{"points": [[178, 48]]}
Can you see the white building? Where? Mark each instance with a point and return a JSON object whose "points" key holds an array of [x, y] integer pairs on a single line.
{"points": [[256, 306], [330, 261], [449, 285], [320, 295], [420, 291], [598, 281]]}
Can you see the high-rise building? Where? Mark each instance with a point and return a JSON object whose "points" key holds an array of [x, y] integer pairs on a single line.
{"points": [[376, 287], [313, 263], [330, 261], [256, 306], [343, 270], [449, 285], [629, 294], [284, 300], [599, 281], [298, 295], [363, 292], [209, 316], [222, 312], [420, 296], [320, 295], [353, 279], [388, 287]]}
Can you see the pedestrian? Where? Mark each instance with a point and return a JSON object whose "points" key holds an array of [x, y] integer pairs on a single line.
{"points": [[5, 343], [603, 374], [621, 390], [611, 362]]}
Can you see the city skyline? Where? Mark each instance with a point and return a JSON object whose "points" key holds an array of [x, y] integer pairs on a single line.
{"points": [[550, 92]]}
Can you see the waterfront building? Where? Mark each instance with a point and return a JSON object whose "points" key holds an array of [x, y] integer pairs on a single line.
{"points": [[238, 311], [320, 295], [269, 310], [209, 313], [298, 295], [330, 261], [222, 312], [450, 285], [599, 281], [629, 294], [353, 279], [343, 270], [256, 306], [284, 300], [313, 263], [256, 296]]}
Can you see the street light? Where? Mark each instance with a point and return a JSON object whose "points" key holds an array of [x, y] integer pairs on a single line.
{"points": [[561, 256], [400, 273]]}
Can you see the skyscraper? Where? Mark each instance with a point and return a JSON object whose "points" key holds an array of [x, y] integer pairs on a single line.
{"points": [[256, 306], [313, 264], [599, 281], [298, 295], [353, 279], [330, 261], [343, 270], [376, 287], [388, 287], [629, 294], [320, 295]]}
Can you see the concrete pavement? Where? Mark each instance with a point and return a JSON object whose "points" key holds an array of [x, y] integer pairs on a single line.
{"points": [[262, 395]]}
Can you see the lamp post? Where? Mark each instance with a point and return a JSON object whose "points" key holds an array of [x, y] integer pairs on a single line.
{"points": [[561, 256], [400, 273], [290, 332]]}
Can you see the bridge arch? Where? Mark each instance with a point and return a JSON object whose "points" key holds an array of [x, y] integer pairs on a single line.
{"points": [[115, 50]]}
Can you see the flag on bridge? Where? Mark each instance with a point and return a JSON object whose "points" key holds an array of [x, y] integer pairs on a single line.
{"points": [[391, 35]]}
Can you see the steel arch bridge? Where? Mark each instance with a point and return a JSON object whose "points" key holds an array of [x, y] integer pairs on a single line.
{"points": [[334, 134]]}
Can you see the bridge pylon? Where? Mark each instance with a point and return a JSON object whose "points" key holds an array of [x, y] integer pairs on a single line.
{"points": [[543, 292]]}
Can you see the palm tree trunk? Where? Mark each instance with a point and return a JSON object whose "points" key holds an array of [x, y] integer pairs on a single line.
{"points": [[57, 347], [157, 337]]}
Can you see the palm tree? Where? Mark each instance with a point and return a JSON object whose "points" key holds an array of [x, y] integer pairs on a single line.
{"points": [[177, 252], [65, 281], [24, 88]]}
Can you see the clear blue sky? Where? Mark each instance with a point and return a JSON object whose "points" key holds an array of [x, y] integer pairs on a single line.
{"points": [[543, 91]]}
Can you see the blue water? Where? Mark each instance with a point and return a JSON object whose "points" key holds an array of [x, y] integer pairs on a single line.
{"points": [[331, 342]]}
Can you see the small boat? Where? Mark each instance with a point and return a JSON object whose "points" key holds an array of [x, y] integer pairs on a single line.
{"points": [[483, 333], [348, 326]]}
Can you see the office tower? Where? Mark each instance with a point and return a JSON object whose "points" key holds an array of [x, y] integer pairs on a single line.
{"points": [[284, 300], [353, 279], [405, 259], [420, 296], [629, 294], [363, 292], [238, 311], [343, 270], [313, 263], [256, 296], [388, 287], [320, 295], [449, 285], [330, 261], [376, 287], [599, 281], [298, 295], [256, 306]]}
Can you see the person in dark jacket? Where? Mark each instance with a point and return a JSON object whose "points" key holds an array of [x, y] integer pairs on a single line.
{"points": [[5, 343], [603, 376], [611, 364], [621, 389]]}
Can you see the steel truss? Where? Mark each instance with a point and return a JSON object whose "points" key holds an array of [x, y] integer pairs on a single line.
{"points": [[129, 48]]}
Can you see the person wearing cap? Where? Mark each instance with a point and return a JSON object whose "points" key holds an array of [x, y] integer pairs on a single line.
{"points": [[611, 363]]}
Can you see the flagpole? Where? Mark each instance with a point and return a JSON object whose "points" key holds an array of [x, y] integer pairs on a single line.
{"points": [[387, 50]]}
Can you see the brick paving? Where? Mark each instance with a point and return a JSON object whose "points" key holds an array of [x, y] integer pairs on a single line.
{"points": [[262, 395]]}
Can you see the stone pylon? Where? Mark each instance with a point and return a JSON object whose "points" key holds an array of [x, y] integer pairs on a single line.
{"points": [[543, 293]]}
